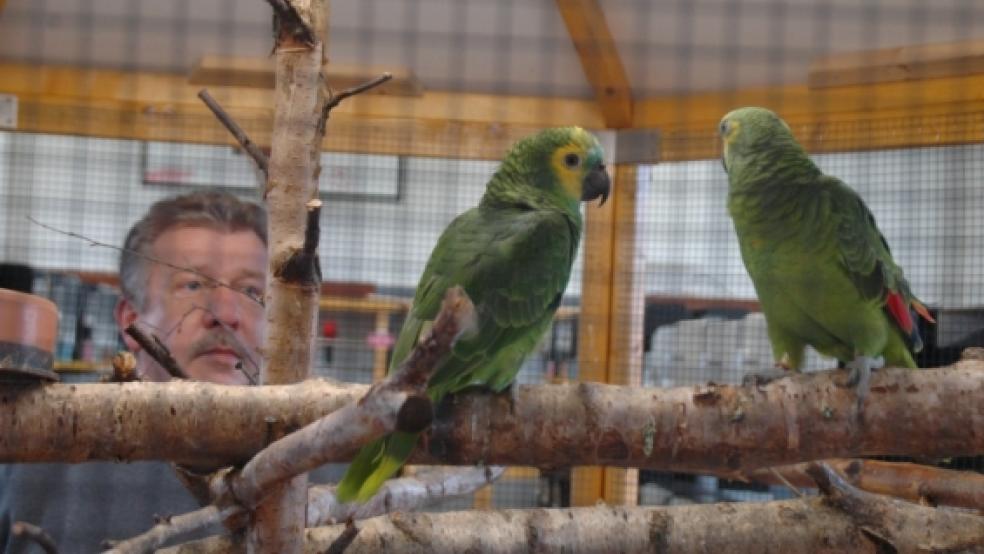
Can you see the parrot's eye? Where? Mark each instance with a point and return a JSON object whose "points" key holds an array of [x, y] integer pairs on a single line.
{"points": [[572, 160], [723, 128]]}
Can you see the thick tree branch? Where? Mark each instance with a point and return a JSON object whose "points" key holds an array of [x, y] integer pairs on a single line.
{"points": [[906, 526], [802, 525], [727, 430]]}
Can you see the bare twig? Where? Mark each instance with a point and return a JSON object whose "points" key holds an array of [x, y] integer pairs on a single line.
{"points": [[92, 242], [241, 137], [157, 350], [786, 482], [36, 534], [335, 99], [339, 545]]}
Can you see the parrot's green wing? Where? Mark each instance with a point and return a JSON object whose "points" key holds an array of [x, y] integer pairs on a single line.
{"points": [[864, 252], [514, 264], [866, 257]]}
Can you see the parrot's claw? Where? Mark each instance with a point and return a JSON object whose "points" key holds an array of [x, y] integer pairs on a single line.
{"points": [[759, 378], [860, 376]]}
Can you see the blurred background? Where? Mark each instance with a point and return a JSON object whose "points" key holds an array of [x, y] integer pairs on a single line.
{"points": [[99, 118]]}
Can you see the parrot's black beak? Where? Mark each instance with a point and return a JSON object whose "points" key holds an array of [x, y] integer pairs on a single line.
{"points": [[596, 184]]}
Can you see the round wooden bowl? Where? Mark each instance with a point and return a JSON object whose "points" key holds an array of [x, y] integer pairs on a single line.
{"points": [[28, 331]]}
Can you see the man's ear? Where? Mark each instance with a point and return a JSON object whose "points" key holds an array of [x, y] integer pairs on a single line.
{"points": [[126, 315]]}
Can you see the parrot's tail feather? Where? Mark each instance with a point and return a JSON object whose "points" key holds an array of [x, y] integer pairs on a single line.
{"points": [[920, 309], [905, 317], [374, 464]]}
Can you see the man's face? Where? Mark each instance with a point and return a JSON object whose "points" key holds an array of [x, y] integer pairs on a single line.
{"points": [[213, 331]]}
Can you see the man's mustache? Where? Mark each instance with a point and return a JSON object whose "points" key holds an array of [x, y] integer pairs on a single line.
{"points": [[216, 339]]}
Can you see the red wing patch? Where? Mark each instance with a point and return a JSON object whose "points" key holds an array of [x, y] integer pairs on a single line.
{"points": [[900, 312]]}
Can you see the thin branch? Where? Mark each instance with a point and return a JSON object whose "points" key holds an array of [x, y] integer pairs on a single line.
{"points": [[339, 545], [335, 99], [928, 485], [237, 132], [157, 350], [171, 527], [905, 526], [36, 534], [786, 482], [382, 410], [92, 242]]}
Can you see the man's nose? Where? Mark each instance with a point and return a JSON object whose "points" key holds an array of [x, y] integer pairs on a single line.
{"points": [[222, 307]]}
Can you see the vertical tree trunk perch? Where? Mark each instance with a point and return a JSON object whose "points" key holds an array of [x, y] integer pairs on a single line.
{"points": [[277, 524]]}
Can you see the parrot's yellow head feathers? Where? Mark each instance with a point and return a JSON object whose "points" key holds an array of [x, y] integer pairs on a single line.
{"points": [[559, 166], [751, 129]]}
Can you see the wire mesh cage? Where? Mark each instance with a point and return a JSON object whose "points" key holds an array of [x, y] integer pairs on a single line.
{"points": [[99, 119]]}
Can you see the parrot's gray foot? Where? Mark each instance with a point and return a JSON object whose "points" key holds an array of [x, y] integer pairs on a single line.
{"points": [[859, 376], [764, 377]]}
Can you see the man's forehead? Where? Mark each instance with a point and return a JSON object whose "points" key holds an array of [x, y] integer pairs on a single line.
{"points": [[198, 247]]}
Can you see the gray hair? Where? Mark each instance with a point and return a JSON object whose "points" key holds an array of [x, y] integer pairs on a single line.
{"points": [[212, 209]]}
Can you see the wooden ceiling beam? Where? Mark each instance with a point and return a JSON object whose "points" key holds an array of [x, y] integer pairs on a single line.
{"points": [[602, 65], [903, 63]]}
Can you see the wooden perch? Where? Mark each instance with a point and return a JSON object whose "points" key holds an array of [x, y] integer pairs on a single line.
{"points": [[926, 485], [801, 525], [900, 525], [715, 429]]}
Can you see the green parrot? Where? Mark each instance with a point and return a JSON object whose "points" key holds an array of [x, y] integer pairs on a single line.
{"points": [[822, 270], [512, 255]]}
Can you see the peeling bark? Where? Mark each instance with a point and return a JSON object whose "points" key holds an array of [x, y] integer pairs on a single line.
{"points": [[726, 430]]}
